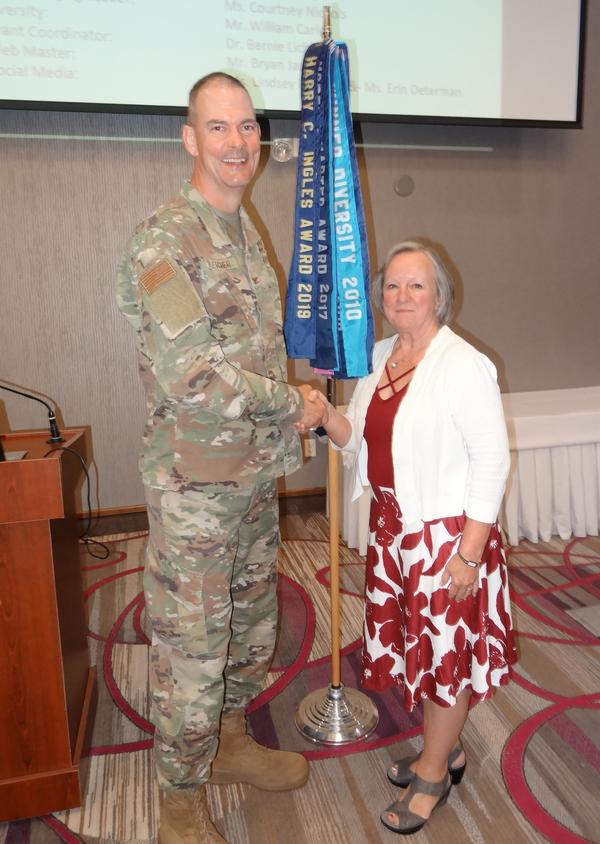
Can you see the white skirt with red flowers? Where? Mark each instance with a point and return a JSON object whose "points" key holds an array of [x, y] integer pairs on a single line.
{"points": [[414, 636]]}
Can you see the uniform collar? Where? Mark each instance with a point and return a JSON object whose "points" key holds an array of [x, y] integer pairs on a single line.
{"points": [[213, 223]]}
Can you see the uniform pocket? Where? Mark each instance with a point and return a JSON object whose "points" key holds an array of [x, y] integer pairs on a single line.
{"points": [[191, 616], [177, 610], [171, 297]]}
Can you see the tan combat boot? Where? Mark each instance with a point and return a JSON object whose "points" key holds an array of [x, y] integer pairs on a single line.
{"points": [[184, 818], [240, 759]]}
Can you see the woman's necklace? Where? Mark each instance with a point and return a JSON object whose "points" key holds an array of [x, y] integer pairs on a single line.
{"points": [[416, 355], [394, 364]]}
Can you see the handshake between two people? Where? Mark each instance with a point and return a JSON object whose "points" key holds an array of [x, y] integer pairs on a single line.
{"points": [[319, 412], [316, 409]]}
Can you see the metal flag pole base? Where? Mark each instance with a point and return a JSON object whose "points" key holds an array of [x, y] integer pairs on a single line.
{"points": [[336, 715]]}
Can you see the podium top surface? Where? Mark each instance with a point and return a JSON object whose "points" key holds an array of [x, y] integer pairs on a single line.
{"points": [[35, 442], [41, 485]]}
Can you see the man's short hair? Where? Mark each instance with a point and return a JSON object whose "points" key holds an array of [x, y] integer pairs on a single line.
{"points": [[216, 76]]}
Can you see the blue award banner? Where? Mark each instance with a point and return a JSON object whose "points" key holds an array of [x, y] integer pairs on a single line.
{"points": [[351, 260], [301, 299], [328, 317], [326, 355]]}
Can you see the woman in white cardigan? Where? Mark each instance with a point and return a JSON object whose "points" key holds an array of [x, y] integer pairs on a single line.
{"points": [[426, 430]]}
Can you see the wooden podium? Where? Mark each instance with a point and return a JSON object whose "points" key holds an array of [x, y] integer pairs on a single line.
{"points": [[46, 684]]}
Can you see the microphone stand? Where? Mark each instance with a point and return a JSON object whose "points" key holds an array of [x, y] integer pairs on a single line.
{"points": [[55, 436]]}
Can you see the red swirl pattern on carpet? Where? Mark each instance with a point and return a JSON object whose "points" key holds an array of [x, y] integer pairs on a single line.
{"points": [[544, 594]]}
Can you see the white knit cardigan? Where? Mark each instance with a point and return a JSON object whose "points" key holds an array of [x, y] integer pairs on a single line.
{"points": [[449, 442]]}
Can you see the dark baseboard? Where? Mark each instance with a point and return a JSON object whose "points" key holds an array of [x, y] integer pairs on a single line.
{"points": [[136, 521]]}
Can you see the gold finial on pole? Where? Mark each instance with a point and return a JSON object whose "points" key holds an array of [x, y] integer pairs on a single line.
{"points": [[326, 23]]}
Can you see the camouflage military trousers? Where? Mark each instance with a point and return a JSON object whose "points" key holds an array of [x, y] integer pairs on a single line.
{"points": [[210, 586]]}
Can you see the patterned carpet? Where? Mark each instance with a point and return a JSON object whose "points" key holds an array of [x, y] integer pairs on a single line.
{"points": [[533, 769]]}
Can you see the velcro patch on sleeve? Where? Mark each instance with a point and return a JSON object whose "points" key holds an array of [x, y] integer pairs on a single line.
{"points": [[171, 298], [152, 278]]}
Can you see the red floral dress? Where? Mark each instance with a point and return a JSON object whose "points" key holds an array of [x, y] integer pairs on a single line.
{"points": [[414, 636]]}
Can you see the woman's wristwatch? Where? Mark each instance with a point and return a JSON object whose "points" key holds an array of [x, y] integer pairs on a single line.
{"points": [[473, 564]]}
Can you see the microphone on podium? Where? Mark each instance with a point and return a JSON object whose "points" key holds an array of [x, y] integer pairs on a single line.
{"points": [[55, 436]]}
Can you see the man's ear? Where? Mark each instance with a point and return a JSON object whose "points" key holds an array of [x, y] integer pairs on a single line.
{"points": [[188, 136]]}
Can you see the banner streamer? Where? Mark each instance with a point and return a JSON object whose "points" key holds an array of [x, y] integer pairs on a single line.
{"points": [[328, 316]]}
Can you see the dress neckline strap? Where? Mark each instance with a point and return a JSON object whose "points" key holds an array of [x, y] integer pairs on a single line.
{"points": [[392, 381]]}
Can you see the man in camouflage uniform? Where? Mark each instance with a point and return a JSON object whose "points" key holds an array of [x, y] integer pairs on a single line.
{"points": [[196, 285]]}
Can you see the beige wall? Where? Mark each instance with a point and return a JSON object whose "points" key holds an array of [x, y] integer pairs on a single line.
{"points": [[514, 210]]}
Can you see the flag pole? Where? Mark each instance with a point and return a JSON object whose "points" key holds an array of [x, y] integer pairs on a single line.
{"points": [[335, 715], [333, 477]]}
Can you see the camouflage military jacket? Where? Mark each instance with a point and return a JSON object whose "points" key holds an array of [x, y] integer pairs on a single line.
{"points": [[207, 317]]}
